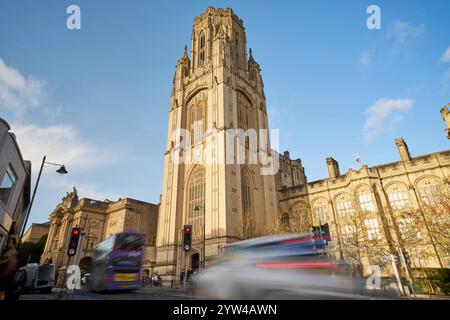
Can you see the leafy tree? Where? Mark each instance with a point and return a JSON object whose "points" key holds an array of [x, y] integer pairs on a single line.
{"points": [[30, 252]]}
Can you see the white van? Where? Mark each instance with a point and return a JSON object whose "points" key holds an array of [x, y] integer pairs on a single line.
{"points": [[39, 277]]}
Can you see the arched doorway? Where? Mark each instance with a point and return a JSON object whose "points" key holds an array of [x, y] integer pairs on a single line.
{"points": [[85, 265], [195, 261]]}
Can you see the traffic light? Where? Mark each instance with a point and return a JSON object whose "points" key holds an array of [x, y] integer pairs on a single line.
{"points": [[187, 237], [323, 230], [73, 241]]}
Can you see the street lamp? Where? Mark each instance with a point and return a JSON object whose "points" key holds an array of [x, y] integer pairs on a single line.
{"points": [[197, 208], [61, 170]]}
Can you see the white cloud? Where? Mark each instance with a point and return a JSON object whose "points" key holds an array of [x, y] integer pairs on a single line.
{"points": [[383, 114], [403, 33], [91, 191], [446, 55], [17, 92], [365, 59], [446, 80], [61, 144]]}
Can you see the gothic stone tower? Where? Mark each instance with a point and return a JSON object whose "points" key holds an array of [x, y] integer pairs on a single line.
{"points": [[217, 89]]}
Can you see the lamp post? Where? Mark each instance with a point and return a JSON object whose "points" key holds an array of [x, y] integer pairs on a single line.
{"points": [[197, 208], [61, 170]]}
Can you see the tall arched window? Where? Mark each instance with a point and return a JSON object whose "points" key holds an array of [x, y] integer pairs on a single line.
{"points": [[196, 199], [344, 206], [246, 193], [236, 49], [196, 118], [320, 211], [430, 191], [201, 49], [285, 220], [398, 196]]}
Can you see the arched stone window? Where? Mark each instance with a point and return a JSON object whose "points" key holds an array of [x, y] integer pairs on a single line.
{"points": [[285, 220], [344, 206], [321, 211], [246, 193], [398, 196], [196, 199], [196, 118], [365, 199], [202, 49], [430, 190]]}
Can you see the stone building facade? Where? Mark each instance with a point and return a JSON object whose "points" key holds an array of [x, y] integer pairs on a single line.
{"points": [[218, 87], [377, 193], [446, 116], [98, 220], [36, 231]]}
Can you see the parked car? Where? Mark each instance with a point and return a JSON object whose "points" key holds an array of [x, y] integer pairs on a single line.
{"points": [[39, 277]]}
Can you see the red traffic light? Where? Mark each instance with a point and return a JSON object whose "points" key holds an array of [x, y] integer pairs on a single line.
{"points": [[75, 232], [187, 229]]}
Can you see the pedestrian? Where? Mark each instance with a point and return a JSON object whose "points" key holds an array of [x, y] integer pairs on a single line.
{"points": [[8, 266], [182, 275], [189, 275], [155, 280]]}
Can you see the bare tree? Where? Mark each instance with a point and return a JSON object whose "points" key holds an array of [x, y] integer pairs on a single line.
{"points": [[437, 215], [247, 226], [362, 239], [295, 221], [421, 229]]}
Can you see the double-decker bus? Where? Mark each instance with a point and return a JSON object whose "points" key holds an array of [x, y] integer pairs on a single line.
{"points": [[117, 261]]}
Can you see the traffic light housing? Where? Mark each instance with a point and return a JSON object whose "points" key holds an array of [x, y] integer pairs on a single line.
{"points": [[324, 229], [73, 241], [187, 237]]}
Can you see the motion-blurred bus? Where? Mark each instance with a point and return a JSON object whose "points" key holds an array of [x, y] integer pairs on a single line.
{"points": [[290, 266], [117, 261]]}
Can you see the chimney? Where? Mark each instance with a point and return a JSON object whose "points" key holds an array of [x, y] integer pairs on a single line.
{"points": [[446, 116], [333, 167], [403, 149], [286, 155]]}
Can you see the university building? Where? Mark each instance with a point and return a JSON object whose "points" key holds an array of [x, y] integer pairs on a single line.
{"points": [[219, 87], [374, 195], [216, 88]]}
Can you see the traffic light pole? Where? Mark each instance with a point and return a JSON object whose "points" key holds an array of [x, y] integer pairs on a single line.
{"points": [[184, 268], [402, 259], [399, 283], [64, 278]]}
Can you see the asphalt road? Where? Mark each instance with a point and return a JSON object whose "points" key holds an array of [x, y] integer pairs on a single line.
{"points": [[142, 294]]}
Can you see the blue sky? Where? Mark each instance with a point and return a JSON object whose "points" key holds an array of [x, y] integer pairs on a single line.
{"points": [[97, 99]]}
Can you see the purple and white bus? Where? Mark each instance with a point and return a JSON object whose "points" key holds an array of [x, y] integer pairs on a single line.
{"points": [[117, 261]]}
